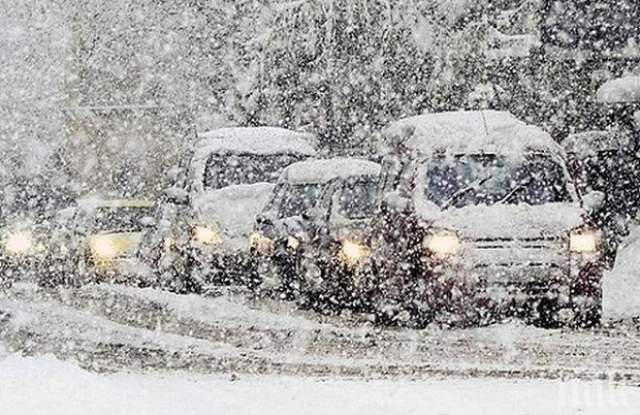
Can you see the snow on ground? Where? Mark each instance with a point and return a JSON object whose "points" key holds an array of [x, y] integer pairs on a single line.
{"points": [[112, 328], [45, 385]]}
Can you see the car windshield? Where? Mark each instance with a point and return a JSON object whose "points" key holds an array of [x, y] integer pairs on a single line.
{"points": [[232, 169], [298, 199], [124, 219], [475, 180], [358, 198]]}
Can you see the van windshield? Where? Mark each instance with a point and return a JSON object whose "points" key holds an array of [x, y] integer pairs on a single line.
{"points": [[224, 170], [298, 199], [486, 179], [358, 198]]}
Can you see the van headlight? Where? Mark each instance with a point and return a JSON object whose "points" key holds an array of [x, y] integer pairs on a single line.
{"points": [[352, 253], [206, 236], [442, 243], [584, 241], [18, 243]]}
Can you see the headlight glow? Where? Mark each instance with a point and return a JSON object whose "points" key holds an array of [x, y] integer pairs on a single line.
{"points": [[104, 248], [207, 236], [353, 253], [18, 243], [261, 243], [293, 243], [583, 242], [442, 243]]}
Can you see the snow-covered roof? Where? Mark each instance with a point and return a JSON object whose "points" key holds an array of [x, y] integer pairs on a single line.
{"points": [[590, 142], [468, 132], [625, 89], [321, 171], [254, 140], [510, 46]]}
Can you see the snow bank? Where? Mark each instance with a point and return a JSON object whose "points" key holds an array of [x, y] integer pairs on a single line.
{"points": [[468, 132], [320, 171], [626, 89], [48, 386], [621, 286]]}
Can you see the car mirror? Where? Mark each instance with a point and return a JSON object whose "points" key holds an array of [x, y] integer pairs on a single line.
{"points": [[393, 201], [177, 196], [593, 201], [312, 214]]}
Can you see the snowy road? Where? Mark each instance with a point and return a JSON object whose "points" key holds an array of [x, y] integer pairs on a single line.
{"points": [[114, 328]]}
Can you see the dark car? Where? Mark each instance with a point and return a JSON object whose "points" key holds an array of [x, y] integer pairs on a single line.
{"points": [[480, 219], [288, 230]]}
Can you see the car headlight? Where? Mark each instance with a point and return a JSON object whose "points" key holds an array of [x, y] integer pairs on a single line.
{"points": [[584, 241], [18, 243], [293, 243], [206, 236], [353, 252], [442, 243], [104, 247], [264, 245]]}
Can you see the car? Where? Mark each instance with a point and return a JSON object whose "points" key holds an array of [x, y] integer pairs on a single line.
{"points": [[335, 263], [605, 161], [23, 243], [101, 240], [288, 229], [31, 212], [223, 182], [479, 220]]}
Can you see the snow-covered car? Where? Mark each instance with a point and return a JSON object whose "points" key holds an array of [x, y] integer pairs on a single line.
{"points": [[309, 194], [229, 178], [480, 219], [102, 239]]}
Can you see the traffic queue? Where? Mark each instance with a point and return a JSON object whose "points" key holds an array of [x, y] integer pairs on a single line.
{"points": [[463, 217]]}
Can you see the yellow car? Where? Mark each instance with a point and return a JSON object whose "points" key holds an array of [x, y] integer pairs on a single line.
{"points": [[109, 233]]}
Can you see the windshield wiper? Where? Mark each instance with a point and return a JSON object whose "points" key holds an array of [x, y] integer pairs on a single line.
{"points": [[457, 195], [513, 192]]}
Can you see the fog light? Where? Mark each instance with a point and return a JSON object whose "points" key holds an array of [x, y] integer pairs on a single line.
{"points": [[353, 253], [19, 243], [206, 236], [583, 242], [261, 243], [442, 244]]}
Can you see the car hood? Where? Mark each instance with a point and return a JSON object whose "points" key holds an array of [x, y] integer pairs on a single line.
{"points": [[507, 221], [232, 208]]}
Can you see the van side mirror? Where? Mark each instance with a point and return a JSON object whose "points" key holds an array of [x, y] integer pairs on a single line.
{"points": [[177, 196], [395, 202], [593, 201], [312, 214]]}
